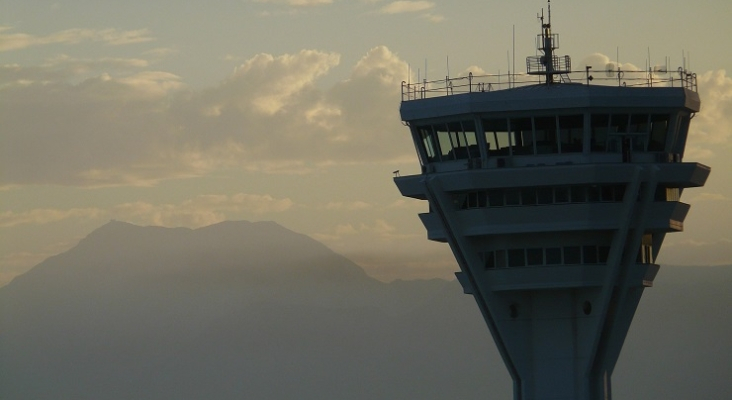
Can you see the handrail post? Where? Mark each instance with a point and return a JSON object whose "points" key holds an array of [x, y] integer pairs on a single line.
{"points": [[620, 75], [681, 76], [650, 77]]}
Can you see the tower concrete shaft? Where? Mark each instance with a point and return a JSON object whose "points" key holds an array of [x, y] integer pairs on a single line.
{"points": [[560, 338]]}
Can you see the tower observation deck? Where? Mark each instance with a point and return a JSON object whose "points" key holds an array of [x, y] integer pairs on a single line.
{"points": [[555, 192]]}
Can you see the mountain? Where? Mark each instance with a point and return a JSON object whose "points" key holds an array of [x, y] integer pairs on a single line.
{"points": [[680, 343], [242, 310], [233, 310]]}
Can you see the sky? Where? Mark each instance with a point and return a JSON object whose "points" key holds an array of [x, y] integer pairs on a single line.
{"points": [[188, 113]]}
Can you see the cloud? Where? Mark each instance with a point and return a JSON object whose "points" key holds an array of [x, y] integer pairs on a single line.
{"points": [[713, 124], [19, 262], [692, 252], [298, 3], [711, 129], [600, 62], [70, 122], [17, 41], [10, 219], [407, 203], [473, 69], [433, 17], [196, 212], [113, 121], [273, 81], [705, 196], [349, 206], [58, 132], [405, 6], [65, 68], [401, 254], [379, 228], [200, 211], [160, 52]]}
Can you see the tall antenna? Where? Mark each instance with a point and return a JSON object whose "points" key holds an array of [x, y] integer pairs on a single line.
{"points": [[508, 61], [548, 64], [549, 11], [546, 32], [683, 60], [513, 68]]}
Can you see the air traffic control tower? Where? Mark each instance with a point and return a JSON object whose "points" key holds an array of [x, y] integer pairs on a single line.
{"points": [[555, 190]]}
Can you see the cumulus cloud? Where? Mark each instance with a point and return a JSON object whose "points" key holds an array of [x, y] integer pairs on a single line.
{"points": [[690, 252], [59, 132], [379, 229], [705, 196], [160, 52], [406, 6], [196, 212], [273, 81], [473, 69], [600, 62], [350, 206], [433, 17], [298, 3], [10, 219], [711, 129], [116, 122], [65, 68], [200, 211], [713, 125], [16, 41], [73, 125]]}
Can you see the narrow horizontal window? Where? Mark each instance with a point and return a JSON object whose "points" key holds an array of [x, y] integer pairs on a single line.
{"points": [[589, 254], [535, 256], [516, 258], [553, 255], [572, 255]]}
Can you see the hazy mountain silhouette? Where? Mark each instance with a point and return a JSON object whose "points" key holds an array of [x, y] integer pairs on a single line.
{"points": [[242, 310]]}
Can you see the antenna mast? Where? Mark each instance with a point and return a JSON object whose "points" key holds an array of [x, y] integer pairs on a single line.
{"points": [[546, 31], [547, 64]]}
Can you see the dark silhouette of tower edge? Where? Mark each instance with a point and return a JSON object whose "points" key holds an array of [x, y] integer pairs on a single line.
{"points": [[555, 190]]}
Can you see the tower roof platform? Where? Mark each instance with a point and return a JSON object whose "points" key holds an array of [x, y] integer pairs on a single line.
{"points": [[538, 97]]}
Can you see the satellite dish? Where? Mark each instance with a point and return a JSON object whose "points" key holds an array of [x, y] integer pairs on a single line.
{"points": [[610, 70]]}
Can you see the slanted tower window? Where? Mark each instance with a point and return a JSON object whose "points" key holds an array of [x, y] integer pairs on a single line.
{"points": [[571, 131]]}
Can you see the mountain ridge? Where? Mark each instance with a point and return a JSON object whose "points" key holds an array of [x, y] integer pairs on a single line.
{"points": [[253, 310]]}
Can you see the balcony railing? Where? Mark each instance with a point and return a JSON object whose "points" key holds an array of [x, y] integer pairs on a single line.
{"points": [[489, 83]]}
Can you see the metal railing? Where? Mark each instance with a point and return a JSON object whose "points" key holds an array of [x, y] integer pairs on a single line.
{"points": [[488, 83], [537, 65]]}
